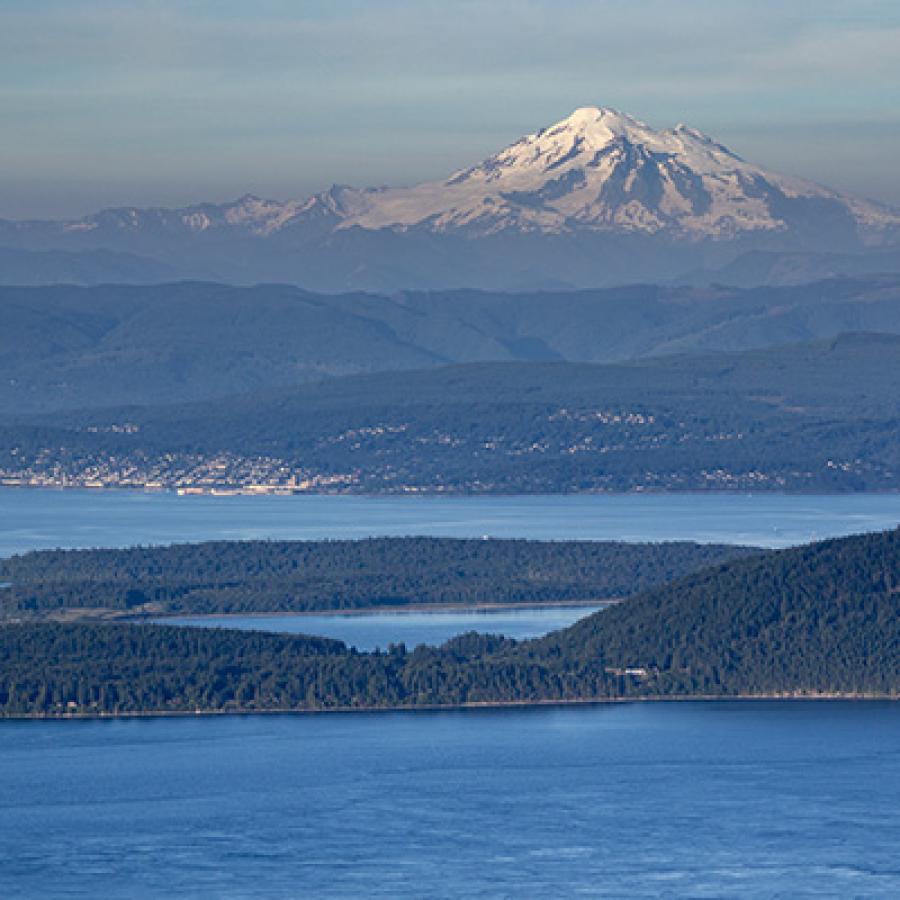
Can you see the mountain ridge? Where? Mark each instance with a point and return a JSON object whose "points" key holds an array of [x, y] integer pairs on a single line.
{"points": [[594, 199], [70, 347]]}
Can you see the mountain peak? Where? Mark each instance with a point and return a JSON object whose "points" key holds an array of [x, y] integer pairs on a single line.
{"points": [[603, 170], [586, 115], [591, 180], [597, 126]]}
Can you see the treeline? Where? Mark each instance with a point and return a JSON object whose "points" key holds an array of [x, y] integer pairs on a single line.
{"points": [[57, 669], [813, 620], [825, 617], [299, 576]]}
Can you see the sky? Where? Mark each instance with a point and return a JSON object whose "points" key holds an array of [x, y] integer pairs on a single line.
{"points": [[169, 102]]}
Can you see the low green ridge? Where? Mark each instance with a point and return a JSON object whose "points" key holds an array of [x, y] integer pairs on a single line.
{"points": [[301, 576]]}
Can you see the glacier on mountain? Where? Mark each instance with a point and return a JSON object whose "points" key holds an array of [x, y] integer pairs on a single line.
{"points": [[603, 170], [596, 198]]}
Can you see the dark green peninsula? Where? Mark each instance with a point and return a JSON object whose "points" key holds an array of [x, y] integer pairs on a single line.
{"points": [[819, 620], [305, 576]]}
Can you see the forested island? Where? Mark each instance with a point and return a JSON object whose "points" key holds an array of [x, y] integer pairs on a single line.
{"points": [[818, 620], [304, 576]]}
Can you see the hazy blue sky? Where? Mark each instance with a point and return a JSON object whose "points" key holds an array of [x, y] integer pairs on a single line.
{"points": [[107, 102]]}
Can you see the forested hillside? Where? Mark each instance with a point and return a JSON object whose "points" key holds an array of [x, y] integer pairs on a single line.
{"points": [[822, 416], [66, 347], [299, 576], [824, 617], [821, 619]]}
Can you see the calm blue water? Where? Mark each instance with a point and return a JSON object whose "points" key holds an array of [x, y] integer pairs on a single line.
{"points": [[639, 800], [32, 519], [366, 632], [643, 800]]}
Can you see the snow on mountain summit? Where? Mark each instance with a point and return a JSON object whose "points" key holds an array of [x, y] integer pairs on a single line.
{"points": [[602, 170], [597, 172]]}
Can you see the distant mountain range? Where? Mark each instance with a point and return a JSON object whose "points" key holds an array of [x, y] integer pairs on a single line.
{"points": [[596, 199], [69, 347]]}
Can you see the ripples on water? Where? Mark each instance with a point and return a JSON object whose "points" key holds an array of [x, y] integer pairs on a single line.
{"points": [[31, 519], [642, 800]]}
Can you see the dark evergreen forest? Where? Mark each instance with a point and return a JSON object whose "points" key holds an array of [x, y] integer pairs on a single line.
{"points": [[300, 576], [813, 620]]}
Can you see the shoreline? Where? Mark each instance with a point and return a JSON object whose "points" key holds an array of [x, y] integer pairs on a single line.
{"points": [[430, 493], [824, 697], [437, 609], [411, 608]]}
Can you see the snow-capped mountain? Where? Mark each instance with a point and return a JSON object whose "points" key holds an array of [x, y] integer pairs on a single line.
{"points": [[597, 197], [600, 169]]}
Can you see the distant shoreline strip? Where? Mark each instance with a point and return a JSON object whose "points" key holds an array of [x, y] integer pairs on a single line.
{"points": [[797, 697]]}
